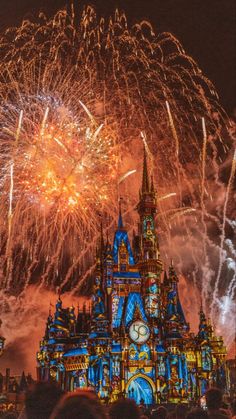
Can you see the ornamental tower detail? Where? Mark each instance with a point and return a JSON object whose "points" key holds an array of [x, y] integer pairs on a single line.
{"points": [[147, 247]]}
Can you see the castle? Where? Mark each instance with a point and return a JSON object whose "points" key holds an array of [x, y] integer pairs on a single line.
{"points": [[134, 341]]}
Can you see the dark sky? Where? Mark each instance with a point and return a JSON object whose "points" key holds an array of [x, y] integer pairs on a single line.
{"points": [[206, 28]]}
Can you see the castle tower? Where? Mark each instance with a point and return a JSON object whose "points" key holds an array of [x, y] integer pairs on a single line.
{"points": [[211, 355], [175, 332], [147, 254], [174, 325], [108, 279], [126, 279], [48, 324], [203, 330]]}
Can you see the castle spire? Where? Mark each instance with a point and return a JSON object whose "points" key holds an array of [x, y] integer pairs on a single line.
{"points": [[145, 181], [165, 280], [120, 220], [203, 326], [202, 316]]}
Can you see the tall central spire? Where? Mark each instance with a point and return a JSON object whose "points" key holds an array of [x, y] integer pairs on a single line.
{"points": [[147, 250], [145, 182], [120, 220], [147, 196]]}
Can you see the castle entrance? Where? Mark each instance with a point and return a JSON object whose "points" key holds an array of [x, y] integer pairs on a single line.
{"points": [[140, 390]]}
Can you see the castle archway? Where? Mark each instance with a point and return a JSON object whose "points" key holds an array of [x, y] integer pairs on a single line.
{"points": [[141, 389]]}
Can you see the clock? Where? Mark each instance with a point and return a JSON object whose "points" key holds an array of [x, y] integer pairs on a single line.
{"points": [[139, 332]]}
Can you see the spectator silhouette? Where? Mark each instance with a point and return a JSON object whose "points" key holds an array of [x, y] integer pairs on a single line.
{"points": [[40, 400], [79, 405], [214, 403], [197, 414], [125, 409], [233, 409], [160, 413], [181, 411]]}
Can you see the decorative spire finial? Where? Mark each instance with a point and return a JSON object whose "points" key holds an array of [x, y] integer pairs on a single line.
{"points": [[145, 182], [201, 313], [165, 280], [120, 220]]}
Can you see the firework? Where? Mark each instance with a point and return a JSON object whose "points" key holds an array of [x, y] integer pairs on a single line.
{"points": [[62, 168], [78, 100]]}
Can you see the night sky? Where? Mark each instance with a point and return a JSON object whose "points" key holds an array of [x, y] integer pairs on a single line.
{"points": [[206, 29]]}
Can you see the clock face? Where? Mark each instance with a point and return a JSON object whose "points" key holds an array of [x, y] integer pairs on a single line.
{"points": [[139, 332]]}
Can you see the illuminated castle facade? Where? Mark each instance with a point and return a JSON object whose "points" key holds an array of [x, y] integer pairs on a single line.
{"points": [[134, 341]]}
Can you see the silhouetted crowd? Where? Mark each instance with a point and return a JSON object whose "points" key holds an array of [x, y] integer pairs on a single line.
{"points": [[48, 401]]}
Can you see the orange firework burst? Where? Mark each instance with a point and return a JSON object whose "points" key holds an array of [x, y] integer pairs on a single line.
{"points": [[66, 164], [62, 169]]}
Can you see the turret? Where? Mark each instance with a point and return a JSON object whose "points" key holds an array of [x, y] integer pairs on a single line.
{"points": [[203, 326], [83, 319], [165, 280], [126, 277], [23, 386], [48, 324], [120, 219], [60, 324], [174, 307], [175, 321], [122, 252]]}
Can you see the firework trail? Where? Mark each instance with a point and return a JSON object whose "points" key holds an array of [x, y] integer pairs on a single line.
{"points": [[203, 158], [83, 92], [232, 284]]}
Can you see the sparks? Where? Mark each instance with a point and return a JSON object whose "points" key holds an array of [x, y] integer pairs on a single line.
{"points": [[74, 100]]}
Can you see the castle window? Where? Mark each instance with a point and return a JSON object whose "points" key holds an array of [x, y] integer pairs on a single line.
{"points": [[123, 257]]}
